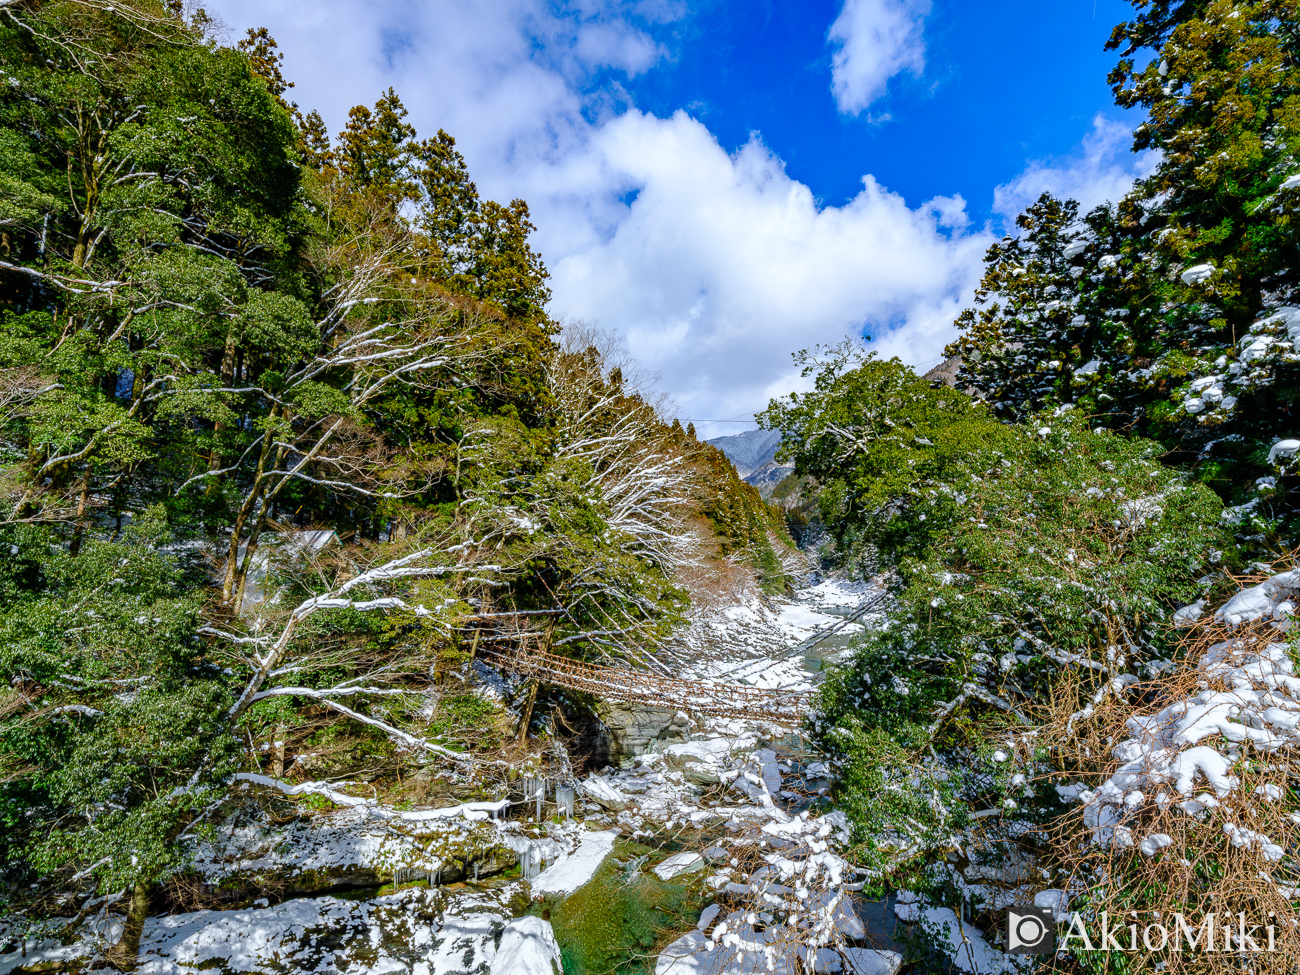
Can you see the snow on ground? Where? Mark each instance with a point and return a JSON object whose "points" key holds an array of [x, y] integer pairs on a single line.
{"points": [[570, 872], [754, 628], [832, 593]]}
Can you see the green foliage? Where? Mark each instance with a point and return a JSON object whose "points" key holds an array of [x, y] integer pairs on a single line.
{"points": [[1161, 319], [1025, 560], [110, 732], [868, 431], [742, 521]]}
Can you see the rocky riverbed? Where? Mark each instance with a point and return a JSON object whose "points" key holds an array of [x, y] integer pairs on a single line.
{"points": [[706, 848]]}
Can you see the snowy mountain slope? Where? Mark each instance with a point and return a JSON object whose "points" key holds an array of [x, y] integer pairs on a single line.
{"points": [[749, 450]]}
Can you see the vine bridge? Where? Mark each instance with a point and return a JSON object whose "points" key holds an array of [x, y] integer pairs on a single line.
{"points": [[717, 699]]}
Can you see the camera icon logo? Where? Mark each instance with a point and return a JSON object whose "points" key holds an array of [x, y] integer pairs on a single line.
{"points": [[1030, 930]]}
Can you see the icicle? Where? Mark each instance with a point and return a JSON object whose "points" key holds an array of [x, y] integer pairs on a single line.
{"points": [[564, 796]]}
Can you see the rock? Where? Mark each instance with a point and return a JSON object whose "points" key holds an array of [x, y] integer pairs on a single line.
{"points": [[249, 856], [419, 931], [633, 729], [604, 794], [678, 864], [528, 947], [760, 776], [701, 775], [700, 761], [716, 854]]}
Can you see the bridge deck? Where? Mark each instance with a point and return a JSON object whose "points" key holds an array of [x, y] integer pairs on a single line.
{"points": [[717, 699]]}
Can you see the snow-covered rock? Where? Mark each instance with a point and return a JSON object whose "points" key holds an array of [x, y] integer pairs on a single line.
{"points": [[359, 846], [570, 872], [678, 864], [528, 947], [1197, 274], [419, 931], [603, 793]]}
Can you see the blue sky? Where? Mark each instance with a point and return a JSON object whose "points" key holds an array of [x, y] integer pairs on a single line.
{"points": [[719, 184], [1005, 82]]}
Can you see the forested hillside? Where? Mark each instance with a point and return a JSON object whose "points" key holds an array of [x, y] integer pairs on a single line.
{"points": [[1084, 696], [286, 435], [343, 588]]}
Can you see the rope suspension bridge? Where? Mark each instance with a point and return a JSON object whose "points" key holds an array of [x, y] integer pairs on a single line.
{"points": [[713, 698]]}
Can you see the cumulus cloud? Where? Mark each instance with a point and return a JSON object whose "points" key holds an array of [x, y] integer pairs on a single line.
{"points": [[714, 266], [875, 40], [1102, 171], [722, 265]]}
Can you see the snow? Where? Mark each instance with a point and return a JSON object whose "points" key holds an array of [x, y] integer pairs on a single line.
{"points": [[1264, 601], [1189, 614], [45, 948], [602, 791], [756, 633], [678, 864], [1074, 249], [1283, 450], [1154, 843], [710, 751], [528, 947], [569, 873], [1197, 274], [1249, 698], [417, 931], [1089, 368], [1290, 183]]}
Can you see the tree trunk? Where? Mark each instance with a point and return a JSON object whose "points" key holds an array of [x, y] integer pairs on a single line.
{"points": [[83, 502], [124, 954], [218, 428]]}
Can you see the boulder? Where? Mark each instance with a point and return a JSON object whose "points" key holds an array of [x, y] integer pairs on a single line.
{"points": [[633, 729]]}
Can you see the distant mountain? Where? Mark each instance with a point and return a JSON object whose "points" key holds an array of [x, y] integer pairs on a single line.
{"points": [[750, 450], [754, 456]]}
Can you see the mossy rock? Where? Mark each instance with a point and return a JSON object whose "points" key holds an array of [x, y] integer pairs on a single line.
{"points": [[620, 919]]}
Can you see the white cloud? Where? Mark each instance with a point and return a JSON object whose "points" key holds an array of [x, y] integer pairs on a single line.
{"points": [[875, 40], [723, 265], [1102, 171], [714, 266]]}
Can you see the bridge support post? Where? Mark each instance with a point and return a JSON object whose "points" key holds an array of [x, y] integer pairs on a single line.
{"points": [[527, 716]]}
